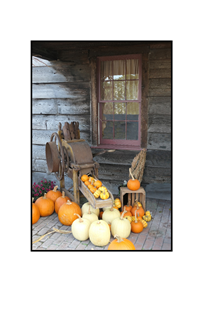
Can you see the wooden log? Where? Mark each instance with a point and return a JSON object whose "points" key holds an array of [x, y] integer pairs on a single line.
{"points": [[159, 141], [159, 73], [159, 123], [159, 105], [159, 54]]}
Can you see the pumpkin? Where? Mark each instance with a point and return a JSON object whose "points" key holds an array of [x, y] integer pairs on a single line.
{"points": [[99, 233], [121, 244], [127, 207], [110, 214], [45, 205], [92, 190], [60, 200], [126, 213], [87, 183], [35, 212], [136, 226], [85, 208], [97, 194], [53, 194], [117, 203], [66, 213], [121, 226], [80, 228], [97, 183], [128, 218], [90, 216], [139, 210], [106, 208], [84, 177], [133, 184], [92, 180], [104, 195]]}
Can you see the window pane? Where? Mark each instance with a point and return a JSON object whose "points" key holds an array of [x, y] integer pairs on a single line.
{"points": [[132, 130], [119, 69], [106, 70], [107, 129], [132, 69], [107, 111], [119, 90], [132, 110], [119, 111], [132, 90], [119, 130], [106, 90]]}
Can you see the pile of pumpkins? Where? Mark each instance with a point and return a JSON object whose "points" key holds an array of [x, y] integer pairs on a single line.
{"points": [[95, 187], [87, 222]]}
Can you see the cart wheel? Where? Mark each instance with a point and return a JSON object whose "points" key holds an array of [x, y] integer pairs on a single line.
{"points": [[59, 175]]}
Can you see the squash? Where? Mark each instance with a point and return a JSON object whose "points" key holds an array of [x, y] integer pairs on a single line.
{"points": [[121, 244], [80, 228], [97, 194], [121, 226], [110, 214], [84, 177], [99, 233], [127, 207], [128, 218], [85, 208], [144, 223], [126, 213], [104, 195], [45, 205], [136, 226], [139, 210], [87, 183], [102, 189], [60, 201], [66, 213], [117, 203], [92, 180], [54, 194], [97, 184], [35, 212], [90, 216], [133, 184], [147, 218]]}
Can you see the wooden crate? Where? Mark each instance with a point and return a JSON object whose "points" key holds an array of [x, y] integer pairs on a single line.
{"points": [[139, 195]]}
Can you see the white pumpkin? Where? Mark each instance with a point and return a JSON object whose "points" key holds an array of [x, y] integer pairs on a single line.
{"points": [[110, 214], [99, 233], [90, 216], [121, 227], [87, 206], [106, 208], [80, 228]]}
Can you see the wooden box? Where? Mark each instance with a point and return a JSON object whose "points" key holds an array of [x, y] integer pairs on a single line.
{"points": [[139, 195]]}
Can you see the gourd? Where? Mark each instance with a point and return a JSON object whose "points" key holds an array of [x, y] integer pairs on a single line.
{"points": [[128, 218], [85, 208], [117, 203], [121, 244], [80, 228], [87, 183], [92, 180], [97, 184], [35, 212], [60, 201], [147, 218], [110, 214], [144, 223], [102, 189], [136, 226], [54, 194], [127, 207], [133, 184], [45, 205], [126, 213], [139, 210], [90, 216], [84, 177], [97, 194], [121, 226], [104, 195], [99, 233], [66, 213]]}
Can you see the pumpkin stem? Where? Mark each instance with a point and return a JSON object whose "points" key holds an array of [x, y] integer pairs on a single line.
{"points": [[136, 216], [69, 202], [55, 188], [124, 211], [80, 220], [131, 174], [63, 194], [44, 196], [119, 239]]}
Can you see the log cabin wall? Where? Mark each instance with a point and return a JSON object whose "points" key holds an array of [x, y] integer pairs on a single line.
{"points": [[65, 90]]}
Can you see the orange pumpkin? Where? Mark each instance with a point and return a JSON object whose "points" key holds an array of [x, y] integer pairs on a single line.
{"points": [[84, 177], [60, 201], [66, 213], [139, 210], [136, 226], [121, 244], [127, 213], [133, 184], [127, 207], [35, 212], [45, 205], [98, 183], [87, 182], [53, 194]]}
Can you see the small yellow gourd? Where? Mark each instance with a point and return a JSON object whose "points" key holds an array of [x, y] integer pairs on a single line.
{"points": [[117, 203], [129, 218], [104, 195], [97, 193], [144, 223], [147, 218]]}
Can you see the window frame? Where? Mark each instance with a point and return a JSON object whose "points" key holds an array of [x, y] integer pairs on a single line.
{"points": [[119, 143]]}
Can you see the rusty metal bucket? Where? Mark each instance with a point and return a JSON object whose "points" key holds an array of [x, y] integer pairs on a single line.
{"points": [[52, 157]]}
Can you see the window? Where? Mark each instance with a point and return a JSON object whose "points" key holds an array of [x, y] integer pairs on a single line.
{"points": [[119, 100]]}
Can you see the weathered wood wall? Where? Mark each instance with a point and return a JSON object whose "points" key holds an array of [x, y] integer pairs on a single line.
{"points": [[65, 91]]}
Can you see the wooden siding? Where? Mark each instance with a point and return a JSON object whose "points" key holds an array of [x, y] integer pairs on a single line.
{"points": [[65, 90]]}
